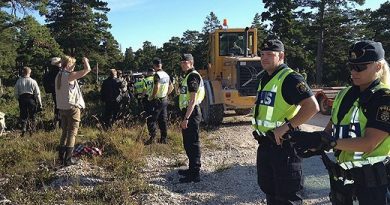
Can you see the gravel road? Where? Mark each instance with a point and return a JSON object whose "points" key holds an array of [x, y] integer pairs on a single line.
{"points": [[228, 170]]}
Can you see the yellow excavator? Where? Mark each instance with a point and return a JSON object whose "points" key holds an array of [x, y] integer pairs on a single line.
{"points": [[232, 76]]}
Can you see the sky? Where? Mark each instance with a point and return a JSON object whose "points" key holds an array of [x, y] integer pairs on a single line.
{"points": [[136, 21]]}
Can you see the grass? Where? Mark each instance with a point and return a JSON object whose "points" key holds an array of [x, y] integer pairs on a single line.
{"points": [[29, 162]]}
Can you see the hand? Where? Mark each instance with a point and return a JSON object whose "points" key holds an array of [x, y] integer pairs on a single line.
{"points": [[85, 60], [279, 132], [39, 108], [184, 124], [319, 140]]}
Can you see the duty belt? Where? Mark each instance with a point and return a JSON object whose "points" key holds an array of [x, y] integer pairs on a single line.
{"points": [[369, 175]]}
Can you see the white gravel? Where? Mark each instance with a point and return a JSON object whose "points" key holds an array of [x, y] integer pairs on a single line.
{"points": [[228, 170]]}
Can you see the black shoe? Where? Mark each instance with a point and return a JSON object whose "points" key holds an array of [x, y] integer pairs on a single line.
{"points": [[189, 179], [184, 172], [163, 141], [149, 141]]}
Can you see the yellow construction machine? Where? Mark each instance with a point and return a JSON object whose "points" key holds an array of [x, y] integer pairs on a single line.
{"points": [[232, 76]]}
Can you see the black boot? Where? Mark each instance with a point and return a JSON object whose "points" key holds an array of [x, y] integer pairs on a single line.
{"points": [[61, 153], [149, 141], [68, 157], [184, 172], [193, 176], [163, 141]]}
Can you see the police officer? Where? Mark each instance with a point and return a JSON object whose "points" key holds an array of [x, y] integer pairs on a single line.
{"points": [[280, 94], [29, 96], [358, 131], [162, 87], [148, 91], [192, 93], [139, 87]]}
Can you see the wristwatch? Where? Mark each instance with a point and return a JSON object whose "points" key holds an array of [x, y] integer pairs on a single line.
{"points": [[290, 127]]}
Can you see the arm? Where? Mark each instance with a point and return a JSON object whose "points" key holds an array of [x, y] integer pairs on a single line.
{"points": [[170, 88], [37, 94], [17, 90], [155, 88], [309, 107], [190, 108], [371, 139], [79, 74]]}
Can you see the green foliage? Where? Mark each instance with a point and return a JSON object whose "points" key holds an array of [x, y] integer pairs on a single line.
{"points": [[36, 45]]}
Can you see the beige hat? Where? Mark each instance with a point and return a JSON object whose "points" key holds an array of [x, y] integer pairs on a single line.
{"points": [[55, 60]]}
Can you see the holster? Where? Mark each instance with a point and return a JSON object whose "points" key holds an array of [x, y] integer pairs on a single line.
{"points": [[370, 175]]}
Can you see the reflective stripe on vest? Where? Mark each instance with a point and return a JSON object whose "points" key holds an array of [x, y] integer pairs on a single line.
{"points": [[353, 125], [272, 108], [164, 84], [184, 96], [149, 85]]}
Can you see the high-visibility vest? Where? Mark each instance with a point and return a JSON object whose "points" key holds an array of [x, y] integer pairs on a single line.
{"points": [[139, 86], [353, 125], [149, 85], [271, 108], [184, 97], [163, 81]]}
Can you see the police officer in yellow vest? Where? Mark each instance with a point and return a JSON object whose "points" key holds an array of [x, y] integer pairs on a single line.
{"points": [[284, 102], [148, 91], [192, 93], [139, 87], [158, 102], [358, 131]]}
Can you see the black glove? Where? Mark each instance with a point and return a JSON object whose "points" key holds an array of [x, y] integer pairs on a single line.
{"points": [[308, 153], [318, 140]]}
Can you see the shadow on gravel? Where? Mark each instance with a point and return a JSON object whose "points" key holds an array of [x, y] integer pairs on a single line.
{"points": [[237, 184]]}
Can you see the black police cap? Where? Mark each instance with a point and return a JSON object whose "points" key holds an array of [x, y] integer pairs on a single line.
{"points": [[187, 57], [273, 45], [365, 51], [156, 61]]}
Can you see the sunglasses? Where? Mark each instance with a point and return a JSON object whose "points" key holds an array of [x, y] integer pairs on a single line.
{"points": [[358, 67]]}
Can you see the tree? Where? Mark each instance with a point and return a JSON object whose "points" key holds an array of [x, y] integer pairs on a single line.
{"points": [[379, 24], [8, 44], [323, 8], [261, 30], [81, 28], [129, 60], [144, 56], [280, 13], [37, 46], [210, 24]]}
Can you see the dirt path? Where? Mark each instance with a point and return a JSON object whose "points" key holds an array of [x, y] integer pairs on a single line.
{"points": [[228, 170]]}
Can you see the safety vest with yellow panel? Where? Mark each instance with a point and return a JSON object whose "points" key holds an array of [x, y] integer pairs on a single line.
{"points": [[271, 109], [163, 81], [353, 125], [184, 97], [149, 85], [139, 86]]}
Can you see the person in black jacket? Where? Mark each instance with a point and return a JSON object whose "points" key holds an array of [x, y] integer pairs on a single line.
{"points": [[49, 85], [109, 95]]}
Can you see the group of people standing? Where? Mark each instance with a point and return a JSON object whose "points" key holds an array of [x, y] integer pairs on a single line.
{"points": [[358, 130]]}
